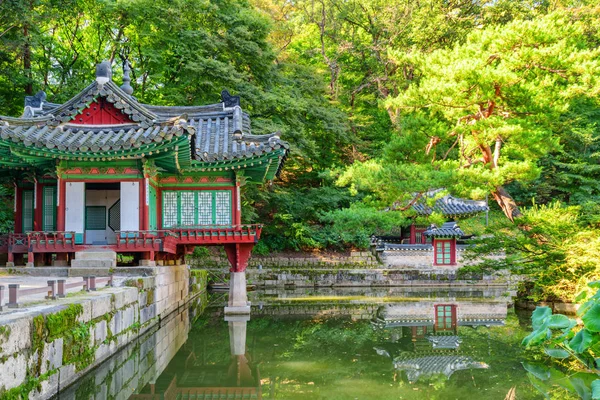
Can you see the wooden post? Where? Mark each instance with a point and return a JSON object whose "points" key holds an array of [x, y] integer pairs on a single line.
{"points": [[60, 205], [13, 295], [51, 290], [37, 206], [61, 288], [92, 283], [30, 254]]}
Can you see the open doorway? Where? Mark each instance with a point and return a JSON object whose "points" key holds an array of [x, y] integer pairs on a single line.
{"points": [[102, 212]]}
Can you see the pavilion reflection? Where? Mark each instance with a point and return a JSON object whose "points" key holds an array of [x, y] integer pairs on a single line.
{"points": [[196, 374], [424, 340]]}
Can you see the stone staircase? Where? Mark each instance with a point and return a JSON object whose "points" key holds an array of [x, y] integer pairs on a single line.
{"points": [[94, 259]]}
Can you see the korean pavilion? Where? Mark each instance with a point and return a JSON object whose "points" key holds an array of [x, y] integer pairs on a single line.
{"points": [[106, 172], [443, 239]]}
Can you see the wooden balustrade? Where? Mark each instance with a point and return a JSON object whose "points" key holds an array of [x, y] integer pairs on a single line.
{"points": [[63, 286], [15, 291], [218, 234], [51, 241], [94, 281]]}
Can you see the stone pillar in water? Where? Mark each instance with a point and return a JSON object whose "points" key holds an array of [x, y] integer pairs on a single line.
{"points": [[238, 298], [239, 372]]}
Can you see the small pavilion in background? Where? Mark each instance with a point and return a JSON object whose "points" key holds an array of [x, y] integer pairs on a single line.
{"points": [[443, 239], [104, 174]]}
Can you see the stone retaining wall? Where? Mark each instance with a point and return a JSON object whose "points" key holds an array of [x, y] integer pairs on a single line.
{"points": [[138, 364], [371, 277], [46, 347], [356, 259]]}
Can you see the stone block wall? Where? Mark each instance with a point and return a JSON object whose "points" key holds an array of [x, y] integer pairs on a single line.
{"points": [[136, 365], [356, 259], [46, 347], [442, 277]]}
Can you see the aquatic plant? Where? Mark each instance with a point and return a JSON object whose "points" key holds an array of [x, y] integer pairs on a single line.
{"points": [[576, 345]]}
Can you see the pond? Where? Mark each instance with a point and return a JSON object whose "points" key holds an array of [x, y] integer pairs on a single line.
{"points": [[394, 343]]}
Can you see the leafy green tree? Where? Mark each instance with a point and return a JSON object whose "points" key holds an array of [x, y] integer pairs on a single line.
{"points": [[503, 93]]}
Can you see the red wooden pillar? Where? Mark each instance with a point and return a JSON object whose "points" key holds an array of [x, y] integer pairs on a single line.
{"points": [[37, 206], [60, 204], [18, 210], [413, 234], [238, 255], [159, 208], [238, 205], [144, 200]]}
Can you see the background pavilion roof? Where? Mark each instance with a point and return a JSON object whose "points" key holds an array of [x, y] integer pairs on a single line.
{"points": [[201, 135], [449, 229], [449, 206], [433, 365]]}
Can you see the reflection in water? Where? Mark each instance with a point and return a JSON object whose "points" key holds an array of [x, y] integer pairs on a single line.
{"points": [[203, 378], [388, 344], [433, 328]]}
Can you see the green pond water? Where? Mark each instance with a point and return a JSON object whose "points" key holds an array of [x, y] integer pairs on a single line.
{"points": [[336, 344]]}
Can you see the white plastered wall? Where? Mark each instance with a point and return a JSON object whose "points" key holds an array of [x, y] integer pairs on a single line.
{"points": [[74, 207], [130, 206]]}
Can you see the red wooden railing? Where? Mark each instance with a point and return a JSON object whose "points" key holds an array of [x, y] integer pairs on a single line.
{"points": [[17, 242], [156, 240], [218, 234], [165, 240], [51, 241]]}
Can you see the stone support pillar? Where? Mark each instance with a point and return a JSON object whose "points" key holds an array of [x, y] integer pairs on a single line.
{"points": [[238, 298]]}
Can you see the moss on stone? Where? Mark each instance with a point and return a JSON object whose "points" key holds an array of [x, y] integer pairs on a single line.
{"points": [[63, 321]]}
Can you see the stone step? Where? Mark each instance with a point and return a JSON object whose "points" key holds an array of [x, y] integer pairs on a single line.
{"points": [[93, 263], [96, 255]]}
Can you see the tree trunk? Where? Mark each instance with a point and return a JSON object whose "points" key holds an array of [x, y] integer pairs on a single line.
{"points": [[506, 203]]}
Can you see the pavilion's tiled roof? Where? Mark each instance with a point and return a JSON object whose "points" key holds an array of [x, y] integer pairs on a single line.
{"points": [[89, 138], [216, 132], [449, 229], [450, 206]]}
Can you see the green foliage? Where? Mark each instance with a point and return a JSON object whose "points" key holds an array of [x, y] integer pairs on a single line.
{"points": [[395, 96], [563, 339], [553, 244]]}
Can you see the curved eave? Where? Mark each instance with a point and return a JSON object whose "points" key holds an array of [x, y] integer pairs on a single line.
{"points": [[146, 150], [258, 168]]}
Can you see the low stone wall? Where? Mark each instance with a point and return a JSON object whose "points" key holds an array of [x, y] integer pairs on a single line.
{"points": [[371, 277], [356, 259], [51, 346]]}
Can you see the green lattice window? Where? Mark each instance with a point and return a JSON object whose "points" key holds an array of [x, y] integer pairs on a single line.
{"points": [[205, 208], [27, 210], [444, 317], [187, 203], [200, 207], [223, 208], [170, 211], [49, 208], [443, 252], [95, 218]]}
